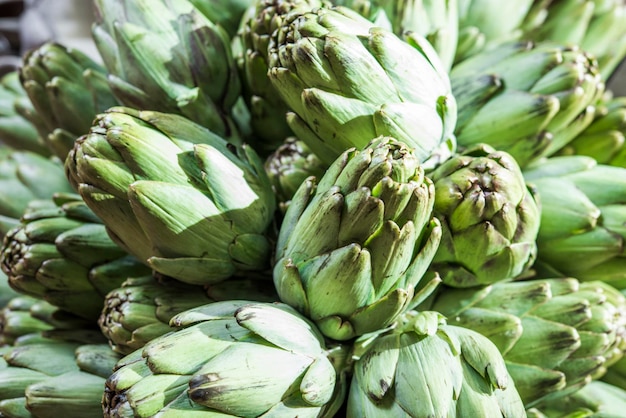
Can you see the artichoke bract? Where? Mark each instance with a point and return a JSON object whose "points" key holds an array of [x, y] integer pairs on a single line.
{"points": [[67, 90], [596, 400], [605, 138], [435, 20], [289, 166], [426, 368], [489, 218], [141, 309], [165, 55], [232, 359], [44, 380], [17, 117], [347, 81], [61, 253], [555, 334], [482, 26], [582, 230], [528, 99], [227, 15], [267, 109], [25, 315], [26, 176], [175, 195], [354, 245], [597, 26]]}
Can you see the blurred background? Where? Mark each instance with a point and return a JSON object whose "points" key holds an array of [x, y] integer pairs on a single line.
{"points": [[25, 24]]}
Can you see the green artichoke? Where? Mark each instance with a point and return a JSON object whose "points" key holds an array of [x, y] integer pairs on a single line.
{"points": [[347, 81], [528, 99], [61, 252], [596, 400], [17, 129], [26, 176], [489, 218], [165, 55], [425, 368], [141, 309], [605, 138], [555, 335], [582, 230], [597, 26], [55, 379], [67, 89], [267, 109], [485, 24], [354, 245], [27, 315], [289, 166], [435, 20], [231, 359], [175, 195]]}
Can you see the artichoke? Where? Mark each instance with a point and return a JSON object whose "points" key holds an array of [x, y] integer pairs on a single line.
{"points": [[596, 400], [435, 20], [61, 252], [347, 81], [67, 89], [605, 138], [17, 127], [141, 309], [26, 176], [54, 379], [267, 109], [582, 230], [25, 315], [528, 99], [165, 55], [231, 359], [597, 26], [354, 245], [426, 368], [289, 166], [555, 335], [175, 195], [489, 218]]}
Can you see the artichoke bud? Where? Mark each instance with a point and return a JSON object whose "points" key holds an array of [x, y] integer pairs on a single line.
{"points": [[585, 241], [24, 177], [176, 195], [141, 309], [168, 57], [559, 333], [466, 377], [489, 218], [371, 215], [52, 254], [59, 83], [337, 105], [267, 109], [213, 377], [19, 122], [551, 89]]}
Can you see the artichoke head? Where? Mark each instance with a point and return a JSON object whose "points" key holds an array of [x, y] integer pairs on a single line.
{"points": [[489, 218], [174, 194], [354, 245]]}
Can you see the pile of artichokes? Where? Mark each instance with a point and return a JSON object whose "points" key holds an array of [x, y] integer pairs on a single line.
{"points": [[316, 208]]}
